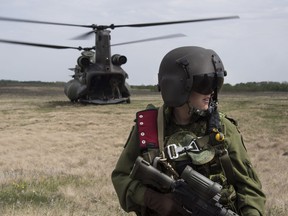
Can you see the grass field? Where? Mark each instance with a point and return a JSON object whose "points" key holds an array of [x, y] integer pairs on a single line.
{"points": [[56, 157]]}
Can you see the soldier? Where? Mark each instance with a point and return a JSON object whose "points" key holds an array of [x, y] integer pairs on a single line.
{"points": [[189, 80]]}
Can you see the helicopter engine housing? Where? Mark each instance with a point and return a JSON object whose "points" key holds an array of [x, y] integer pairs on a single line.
{"points": [[118, 59], [74, 89], [83, 61]]}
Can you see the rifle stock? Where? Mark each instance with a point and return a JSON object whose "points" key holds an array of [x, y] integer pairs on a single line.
{"points": [[198, 194], [151, 176]]}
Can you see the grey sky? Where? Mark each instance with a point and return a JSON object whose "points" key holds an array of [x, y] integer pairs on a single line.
{"points": [[253, 48]]}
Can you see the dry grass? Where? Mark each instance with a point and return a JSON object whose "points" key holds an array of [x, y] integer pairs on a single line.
{"points": [[56, 157]]}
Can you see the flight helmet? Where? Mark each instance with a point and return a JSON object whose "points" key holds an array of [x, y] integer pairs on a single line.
{"points": [[187, 69]]}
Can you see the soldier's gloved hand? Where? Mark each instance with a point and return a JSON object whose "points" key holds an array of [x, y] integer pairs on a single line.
{"points": [[163, 204]]}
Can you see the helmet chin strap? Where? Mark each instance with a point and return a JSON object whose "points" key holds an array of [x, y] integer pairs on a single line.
{"points": [[212, 104], [214, 121]]}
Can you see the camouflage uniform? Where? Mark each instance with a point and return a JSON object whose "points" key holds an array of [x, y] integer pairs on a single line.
{"points": [[245, 196]]}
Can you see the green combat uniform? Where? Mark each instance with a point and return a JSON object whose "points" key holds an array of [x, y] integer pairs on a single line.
{"points": [[241, 190]]}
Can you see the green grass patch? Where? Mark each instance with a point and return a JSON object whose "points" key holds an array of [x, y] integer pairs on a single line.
{"points": [[39, 191]]}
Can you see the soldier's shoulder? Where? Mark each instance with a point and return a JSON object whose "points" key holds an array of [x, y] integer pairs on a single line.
{"points": [[225, 118], [150, 108]]}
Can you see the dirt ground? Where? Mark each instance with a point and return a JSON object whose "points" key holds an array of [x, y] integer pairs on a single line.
{"points": [[43, 135]]}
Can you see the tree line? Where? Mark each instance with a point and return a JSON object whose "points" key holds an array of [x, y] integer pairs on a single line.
{"points": [[256, 86], [240, 87]]}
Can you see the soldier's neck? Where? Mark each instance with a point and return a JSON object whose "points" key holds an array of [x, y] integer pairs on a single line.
{"points": [[181, 115]]}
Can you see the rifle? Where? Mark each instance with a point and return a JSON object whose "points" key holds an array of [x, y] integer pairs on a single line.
{"points": [[198, 194]]}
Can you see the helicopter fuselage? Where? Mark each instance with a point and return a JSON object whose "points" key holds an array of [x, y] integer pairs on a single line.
{"points": [[99, 79]]}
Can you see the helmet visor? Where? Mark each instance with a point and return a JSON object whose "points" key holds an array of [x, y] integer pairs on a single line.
{"points": [[207, 83]]}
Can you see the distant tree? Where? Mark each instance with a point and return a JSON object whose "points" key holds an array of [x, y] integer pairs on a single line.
{"points": [[256, 86]]}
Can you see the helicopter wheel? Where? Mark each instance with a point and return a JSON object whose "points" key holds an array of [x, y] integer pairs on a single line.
{"points": [[128, 101], [74, 101]]}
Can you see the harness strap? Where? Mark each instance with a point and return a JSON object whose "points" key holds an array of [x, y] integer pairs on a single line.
{"points": [[196, 145], [227, 168]]}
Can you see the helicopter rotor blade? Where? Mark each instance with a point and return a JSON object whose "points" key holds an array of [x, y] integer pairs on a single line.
{"points": [[173, 22], [83, 36], [151, 39], [112, 26], [43, 22], [42, 45]]}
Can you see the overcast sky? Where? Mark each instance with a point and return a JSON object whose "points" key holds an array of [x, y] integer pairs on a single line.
{"points": [[252, 48]]}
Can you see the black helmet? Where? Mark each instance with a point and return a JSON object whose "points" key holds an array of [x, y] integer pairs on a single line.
{"points": [[187, 69]]}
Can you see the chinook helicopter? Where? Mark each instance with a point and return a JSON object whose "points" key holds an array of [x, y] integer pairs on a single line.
{"points": [[98, 76]]}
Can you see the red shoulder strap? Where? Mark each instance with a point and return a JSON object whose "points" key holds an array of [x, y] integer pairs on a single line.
{"points": [[147, 128]]}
